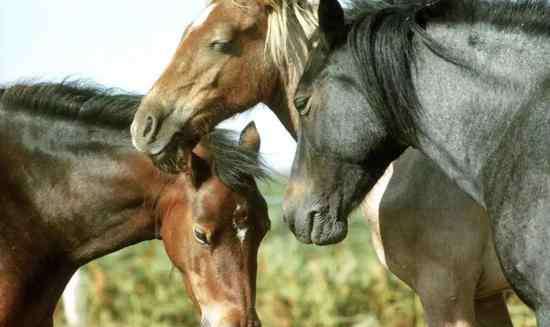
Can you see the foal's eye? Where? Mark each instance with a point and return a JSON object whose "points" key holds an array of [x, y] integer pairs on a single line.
{"points": [[221, 45], [201, 236]]}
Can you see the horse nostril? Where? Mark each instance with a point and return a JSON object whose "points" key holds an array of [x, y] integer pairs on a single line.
{"points": [[312, 215], [150, 127]]}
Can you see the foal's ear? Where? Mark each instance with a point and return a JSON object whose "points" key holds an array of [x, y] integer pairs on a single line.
{"points": [[331, 20], [199, 169], [250, 138]]}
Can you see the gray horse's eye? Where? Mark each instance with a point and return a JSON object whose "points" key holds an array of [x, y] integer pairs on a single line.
{"points": [[302, 104]]}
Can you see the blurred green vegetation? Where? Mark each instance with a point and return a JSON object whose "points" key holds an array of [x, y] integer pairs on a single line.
{"points": [[298, 286]]}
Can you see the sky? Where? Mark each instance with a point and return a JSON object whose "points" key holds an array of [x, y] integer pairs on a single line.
{"points": [[122, 43]]}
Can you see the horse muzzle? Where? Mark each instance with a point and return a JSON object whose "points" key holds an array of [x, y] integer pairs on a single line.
{"points": [[314, 225]]}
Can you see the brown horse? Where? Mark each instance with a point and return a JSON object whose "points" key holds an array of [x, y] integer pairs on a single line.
{"points": [[245, 52], [74, 189]]}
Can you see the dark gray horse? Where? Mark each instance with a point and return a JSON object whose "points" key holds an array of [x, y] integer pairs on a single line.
{"points": [[465, 82]]}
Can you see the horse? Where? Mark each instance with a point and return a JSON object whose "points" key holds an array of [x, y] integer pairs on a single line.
{"points": [[75, 189], [261, 60], [465, 82]]}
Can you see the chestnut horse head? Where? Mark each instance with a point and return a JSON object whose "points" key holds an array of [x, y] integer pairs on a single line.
{"points": [[237, 54], [213, 229]]}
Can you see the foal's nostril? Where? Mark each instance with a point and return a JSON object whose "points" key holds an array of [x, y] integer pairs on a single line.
{"points": [[150, 127]]}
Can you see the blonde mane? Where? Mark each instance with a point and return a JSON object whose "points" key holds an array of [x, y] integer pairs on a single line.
{"points": [[291, 23]]}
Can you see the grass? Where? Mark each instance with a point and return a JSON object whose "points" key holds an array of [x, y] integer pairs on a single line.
{"points": [[299, 285]]}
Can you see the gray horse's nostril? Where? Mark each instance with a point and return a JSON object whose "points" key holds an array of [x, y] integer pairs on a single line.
{"points": [[150, 127]]}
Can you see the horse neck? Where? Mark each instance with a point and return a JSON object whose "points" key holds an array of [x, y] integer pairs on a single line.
{"points": [[475, 134], [90, 192], [132, 213], [282, 106]]}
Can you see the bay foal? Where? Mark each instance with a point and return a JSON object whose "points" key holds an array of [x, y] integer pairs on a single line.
{"points": [[74, 189]]}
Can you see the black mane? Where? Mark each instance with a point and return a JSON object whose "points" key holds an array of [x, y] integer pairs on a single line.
{"points": [[75, 100], [381, 40], [234, 165], [94, 104]]}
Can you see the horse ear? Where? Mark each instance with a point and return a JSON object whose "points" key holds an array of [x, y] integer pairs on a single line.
{"points": [[331, 20], [199, 169], [250, 138]]}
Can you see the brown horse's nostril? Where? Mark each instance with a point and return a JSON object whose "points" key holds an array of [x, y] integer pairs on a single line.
{"points": [[150, 127]]}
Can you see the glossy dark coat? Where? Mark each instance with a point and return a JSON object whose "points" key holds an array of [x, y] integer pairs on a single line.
{"points": [[72, 189], [466, 83]]}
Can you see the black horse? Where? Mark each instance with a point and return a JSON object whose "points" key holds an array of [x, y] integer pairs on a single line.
{"points": [[72, 188], [465, 82]]}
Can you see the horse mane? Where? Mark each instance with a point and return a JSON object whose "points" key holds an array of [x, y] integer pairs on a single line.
{"points": [[381, 44], [77, 100], [237, 167], [74, 100], [381, 41], [529, 16], [290, 27]]}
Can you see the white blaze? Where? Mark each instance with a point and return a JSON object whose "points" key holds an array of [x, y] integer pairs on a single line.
{"points": [[241, 234]]}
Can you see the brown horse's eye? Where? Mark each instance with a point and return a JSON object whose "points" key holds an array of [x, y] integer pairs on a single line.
{"points": [[221, 46], [201, 236]]}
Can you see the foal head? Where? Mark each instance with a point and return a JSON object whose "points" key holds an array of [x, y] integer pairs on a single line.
{"points": [[230, 59], [213, 229]]}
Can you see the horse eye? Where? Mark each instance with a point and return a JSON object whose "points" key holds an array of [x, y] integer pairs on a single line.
{"points": [[302, 104], [221, 45], [201, 236]]}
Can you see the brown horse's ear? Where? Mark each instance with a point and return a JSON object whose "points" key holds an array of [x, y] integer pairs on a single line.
{"points": [[250, 138], [199, 169]]}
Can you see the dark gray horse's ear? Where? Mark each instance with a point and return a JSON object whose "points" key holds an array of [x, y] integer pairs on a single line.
{"points": [[331, 20], [250, 138]]}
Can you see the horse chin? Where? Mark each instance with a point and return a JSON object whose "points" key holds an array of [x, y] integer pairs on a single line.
{"points": [[173, 158]]}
